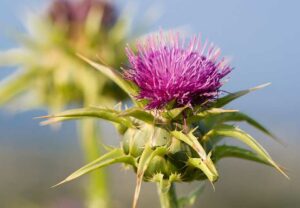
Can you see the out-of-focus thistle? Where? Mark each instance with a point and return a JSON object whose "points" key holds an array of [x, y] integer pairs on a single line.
{"points": [[51, 75], [72, 16], [49, 68], [174, 131]]}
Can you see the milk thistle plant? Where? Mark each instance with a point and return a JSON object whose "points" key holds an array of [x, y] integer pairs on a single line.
{"points": [[48, 66], [51, 75], [174, 129]]}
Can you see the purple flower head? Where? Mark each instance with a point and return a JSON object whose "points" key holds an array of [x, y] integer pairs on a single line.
{"points": [[73, 13], [167, 69]]}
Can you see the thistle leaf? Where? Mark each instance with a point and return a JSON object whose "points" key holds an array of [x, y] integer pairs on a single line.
{"points": [[139, 114], [192, 141], [204, 163], [232, 96], [190, 199], [112, 157], [55, 120], [207, 167], [216, 111], [234, 132], [144, 162], [210, 112], [224, 151], [16, 56], [112, 74], [15, 85], [239, 116], [173, 113], [106, 114]]}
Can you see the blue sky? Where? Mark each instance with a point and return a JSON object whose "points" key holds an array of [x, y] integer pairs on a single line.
{"points": [[261, 37]]}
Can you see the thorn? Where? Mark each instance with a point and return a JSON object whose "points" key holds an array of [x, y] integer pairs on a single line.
{"points": [[82, 57], [41, 117], [102, 61], [137, 191], [283, 173], [193, 130], [261, 86], [60, 183], [213, 186], [48, 122], [45, 123]]}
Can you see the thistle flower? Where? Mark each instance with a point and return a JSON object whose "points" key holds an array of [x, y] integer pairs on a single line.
{"points": [[75, 13], [166, 69], [179, 144]]}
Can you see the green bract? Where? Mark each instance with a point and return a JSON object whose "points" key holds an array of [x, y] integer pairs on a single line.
{"points": [[174, 145]]}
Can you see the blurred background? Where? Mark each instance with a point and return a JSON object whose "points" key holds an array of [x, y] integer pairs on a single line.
{"points": [[262, 37]]}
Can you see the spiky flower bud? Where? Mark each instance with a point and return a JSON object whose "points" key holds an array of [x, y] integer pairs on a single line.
{"points": [[174, 161]]}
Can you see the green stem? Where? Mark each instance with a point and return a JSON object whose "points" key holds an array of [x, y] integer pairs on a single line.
{"points": [[168, 199], [97, 193]]}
